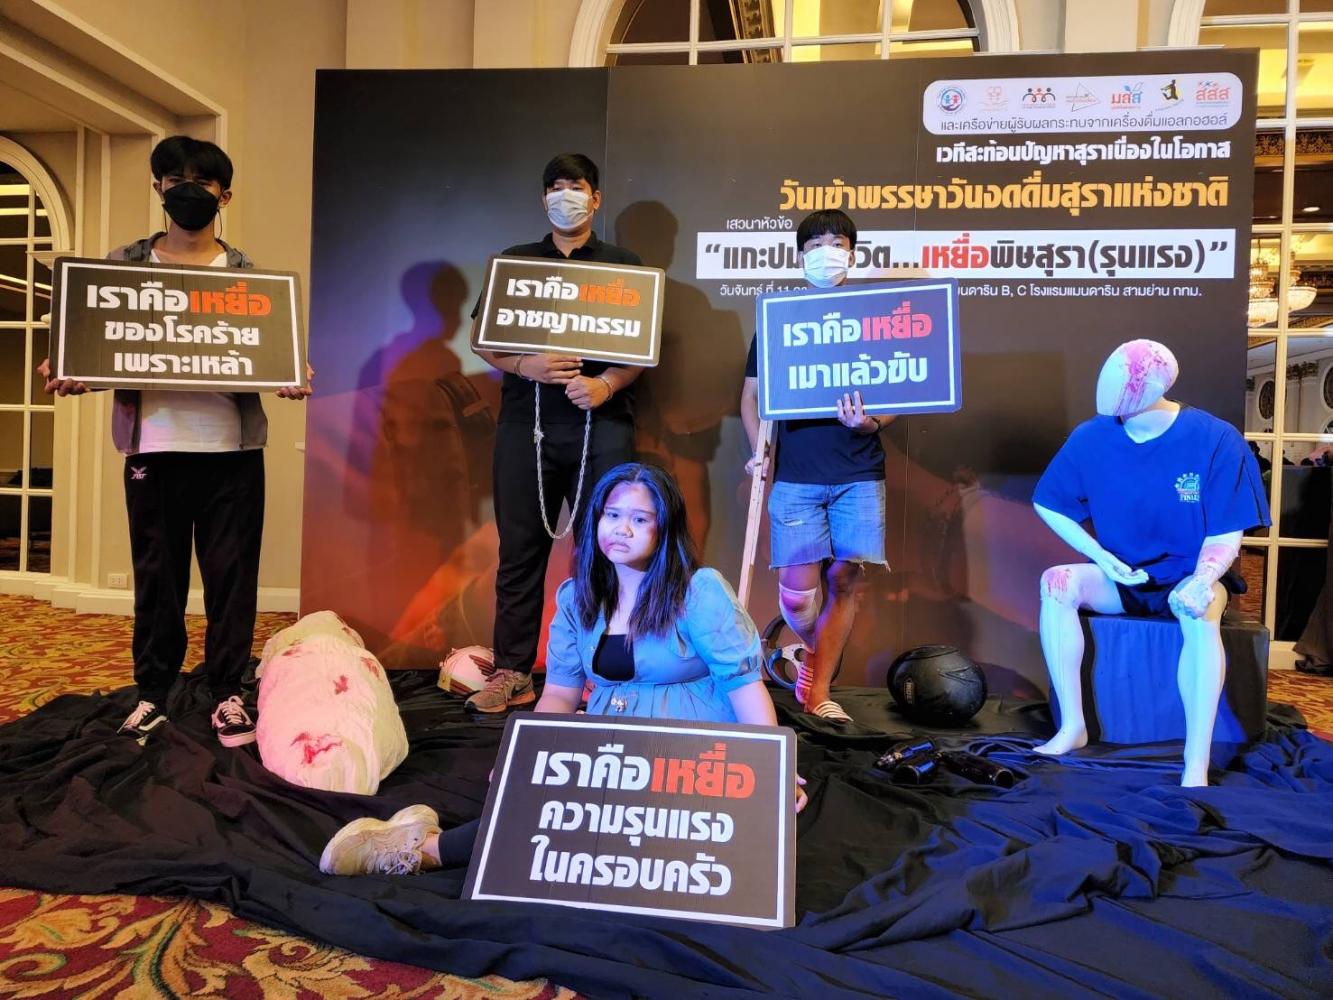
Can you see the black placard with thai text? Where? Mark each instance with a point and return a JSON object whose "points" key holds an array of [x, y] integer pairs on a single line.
{"points": [[175, 326], [606, 312], [684, 819]]}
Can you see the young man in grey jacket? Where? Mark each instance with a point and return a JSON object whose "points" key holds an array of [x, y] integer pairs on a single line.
{"points": [[194, 473]]}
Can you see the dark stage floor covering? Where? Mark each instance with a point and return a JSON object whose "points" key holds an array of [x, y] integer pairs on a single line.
{"points": [[1095, 876]]}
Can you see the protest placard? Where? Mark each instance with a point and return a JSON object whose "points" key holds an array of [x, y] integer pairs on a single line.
{"points": [[603, 312], [175, 326], [895, 343], [683, 819]]}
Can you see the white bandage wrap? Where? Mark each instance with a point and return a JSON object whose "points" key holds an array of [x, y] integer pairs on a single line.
{"points": [[1216, 557], [800, 609]]}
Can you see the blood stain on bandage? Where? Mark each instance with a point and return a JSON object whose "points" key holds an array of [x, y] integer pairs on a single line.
{"points": [[1215, 556], [1055, 581], [340, 685], [314, 746], [370, 665], [1143, 362]]}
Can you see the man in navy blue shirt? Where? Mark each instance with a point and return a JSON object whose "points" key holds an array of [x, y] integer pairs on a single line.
{"points": [[1169, 490], [826, 508]]}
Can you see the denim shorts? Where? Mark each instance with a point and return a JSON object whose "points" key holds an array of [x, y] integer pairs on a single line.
{"points": [[811, 522]]}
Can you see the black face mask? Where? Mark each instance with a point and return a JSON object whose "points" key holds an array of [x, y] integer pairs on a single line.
{"points": [[191, 206]]}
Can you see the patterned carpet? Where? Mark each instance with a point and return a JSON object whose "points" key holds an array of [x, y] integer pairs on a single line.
{"points": [[54, 946], [1313, 696]]}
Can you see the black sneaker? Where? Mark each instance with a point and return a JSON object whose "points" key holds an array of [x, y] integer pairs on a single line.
{"points": [[140, 723], [234, 726]]}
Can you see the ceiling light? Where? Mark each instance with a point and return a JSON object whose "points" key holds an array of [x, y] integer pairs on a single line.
{"points": [[1261, 312], [1262, 308]]}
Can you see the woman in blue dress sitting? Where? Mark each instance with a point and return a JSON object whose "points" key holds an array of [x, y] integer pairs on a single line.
{"points": [[658, 635]]}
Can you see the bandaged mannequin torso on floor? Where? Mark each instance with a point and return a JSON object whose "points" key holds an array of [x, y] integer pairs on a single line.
{"points": [[327, 715], [1169, 490]]}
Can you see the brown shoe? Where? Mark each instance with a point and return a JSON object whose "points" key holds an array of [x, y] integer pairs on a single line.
{"points": [[504, 689]]}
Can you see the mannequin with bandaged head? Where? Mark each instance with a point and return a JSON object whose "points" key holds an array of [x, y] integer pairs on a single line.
{"points": [[1135, 377], [1169, 490]]}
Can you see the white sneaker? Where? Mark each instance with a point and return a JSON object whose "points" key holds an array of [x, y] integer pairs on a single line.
{"points": [[380, 846]]}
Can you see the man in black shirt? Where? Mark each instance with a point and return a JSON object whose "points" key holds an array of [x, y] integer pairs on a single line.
{"points": [[826, 507], [570, 389]]}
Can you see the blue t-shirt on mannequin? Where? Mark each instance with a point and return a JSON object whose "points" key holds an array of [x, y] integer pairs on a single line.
{"points": [[1153, 503]]}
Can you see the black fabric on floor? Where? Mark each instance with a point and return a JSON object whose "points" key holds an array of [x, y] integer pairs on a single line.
{"points": [[1094, 876]]}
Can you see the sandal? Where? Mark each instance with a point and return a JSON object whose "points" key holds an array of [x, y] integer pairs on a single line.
{"points": [[805, 675], [830, 711]]}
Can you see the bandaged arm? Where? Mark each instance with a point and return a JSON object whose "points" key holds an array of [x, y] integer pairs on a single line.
{"points": [[1217, 555], [1194, 594]]}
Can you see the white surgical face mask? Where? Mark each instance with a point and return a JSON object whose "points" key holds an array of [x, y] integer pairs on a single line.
{"points": [[826, 266], [567, 208]]}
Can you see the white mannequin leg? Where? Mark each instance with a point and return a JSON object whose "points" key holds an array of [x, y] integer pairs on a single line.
{"points": [[1065, 589], [1199, 677]]}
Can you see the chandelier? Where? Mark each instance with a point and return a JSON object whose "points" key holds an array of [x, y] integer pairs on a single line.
{"points": [[1263, 303]]}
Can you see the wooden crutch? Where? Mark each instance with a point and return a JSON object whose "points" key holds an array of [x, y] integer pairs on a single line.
{"points": [[764, 451]]}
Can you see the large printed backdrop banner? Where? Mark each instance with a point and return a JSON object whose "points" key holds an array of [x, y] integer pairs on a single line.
{"points": [[1080, 202]]}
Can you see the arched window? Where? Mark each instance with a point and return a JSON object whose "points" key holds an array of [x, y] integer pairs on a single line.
{"points": [[33, 223], [636, 32], [1288, 411]]}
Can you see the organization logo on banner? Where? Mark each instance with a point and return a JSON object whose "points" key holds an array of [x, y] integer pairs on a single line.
{"points": [[1038, 97], [952, 100], [896, 344], [1209, 101], [1210, 93], [994, 100], [1081, 98], [118, 325], [694, 820], [1128, 97]]}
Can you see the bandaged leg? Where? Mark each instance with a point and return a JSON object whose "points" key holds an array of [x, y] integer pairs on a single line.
{"points": [[1065, 589], [846, 588], [799, 604], [800, 610]]}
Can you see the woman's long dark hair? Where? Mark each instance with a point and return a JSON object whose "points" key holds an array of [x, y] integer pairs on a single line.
{"points": [[661, 600]]}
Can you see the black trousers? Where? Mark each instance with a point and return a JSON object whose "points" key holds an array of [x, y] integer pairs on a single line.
{"points": [[215, 500], [525, 546]]}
